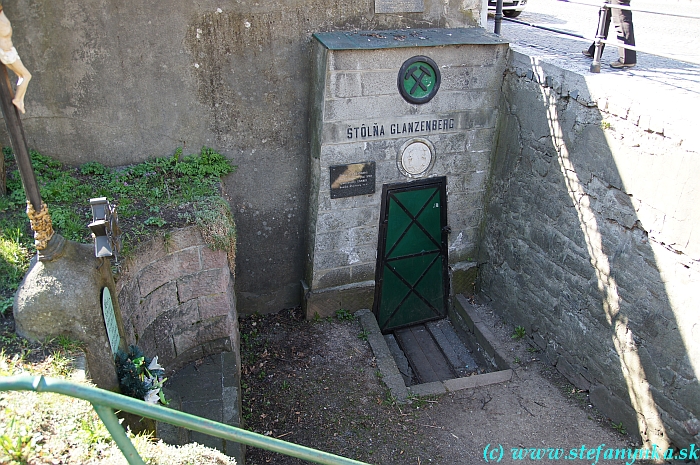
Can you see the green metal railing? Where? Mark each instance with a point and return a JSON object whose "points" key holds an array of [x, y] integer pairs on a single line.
{"points": [[105, 403]]}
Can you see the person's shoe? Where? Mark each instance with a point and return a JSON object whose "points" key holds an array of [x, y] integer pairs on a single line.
{"points": [[587, 54], [620, 65]]}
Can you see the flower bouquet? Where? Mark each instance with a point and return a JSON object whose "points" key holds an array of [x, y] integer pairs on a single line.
{"points": [[140, 377]]}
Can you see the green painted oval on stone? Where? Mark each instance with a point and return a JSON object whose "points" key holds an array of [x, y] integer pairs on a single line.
{"points": [[110, 320]]}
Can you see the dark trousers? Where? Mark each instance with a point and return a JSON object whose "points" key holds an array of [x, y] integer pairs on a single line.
{"points": [[625, 31]]}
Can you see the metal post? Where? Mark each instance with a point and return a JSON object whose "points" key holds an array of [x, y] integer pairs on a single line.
{"points": [[125, 445], [601, 34], [498, 17]]}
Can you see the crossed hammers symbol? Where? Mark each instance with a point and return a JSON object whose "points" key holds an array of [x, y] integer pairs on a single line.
{"points": [[411, 73]]}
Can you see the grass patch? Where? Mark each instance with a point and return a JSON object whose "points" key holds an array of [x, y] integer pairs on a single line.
{"points": [[151, 197], [51, 428]]}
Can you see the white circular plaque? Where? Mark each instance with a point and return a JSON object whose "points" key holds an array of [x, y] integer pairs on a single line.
{"points": [[416, 157]]}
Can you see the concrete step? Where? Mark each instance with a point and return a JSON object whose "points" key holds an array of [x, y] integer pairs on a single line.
{"points": [[425, 356], [452, 346]]}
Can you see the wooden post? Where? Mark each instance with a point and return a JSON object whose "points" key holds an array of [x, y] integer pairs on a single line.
{"points": [[18, 141], [48, 244]]}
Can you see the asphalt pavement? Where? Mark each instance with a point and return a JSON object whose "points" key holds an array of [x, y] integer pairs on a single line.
{"points": [[667, 87]]}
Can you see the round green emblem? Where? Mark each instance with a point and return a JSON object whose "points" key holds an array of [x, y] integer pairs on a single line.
{"points": [[418, 79]]}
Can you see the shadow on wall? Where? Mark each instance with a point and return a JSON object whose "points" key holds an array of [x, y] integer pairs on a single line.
{"points": [[587, 244]]}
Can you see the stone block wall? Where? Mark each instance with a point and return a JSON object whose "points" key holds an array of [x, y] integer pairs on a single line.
{"points": [[177, 300], [111, 74], [357, 89], [590, 242]]}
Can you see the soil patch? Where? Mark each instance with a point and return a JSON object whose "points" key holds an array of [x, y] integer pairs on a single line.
{"points": [[316, 383]]}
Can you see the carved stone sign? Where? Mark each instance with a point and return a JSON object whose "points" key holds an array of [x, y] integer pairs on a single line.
{"points": [[416, 157], [110, 320], [398, 6], [353, 179]]}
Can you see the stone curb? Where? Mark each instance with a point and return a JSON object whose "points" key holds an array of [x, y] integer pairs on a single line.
{"points": [[385, 361], [394, 381]]}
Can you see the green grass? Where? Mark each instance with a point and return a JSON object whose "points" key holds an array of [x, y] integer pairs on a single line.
{"points": [[519, 332], [151, 197], [15, 246], [52, 428]]}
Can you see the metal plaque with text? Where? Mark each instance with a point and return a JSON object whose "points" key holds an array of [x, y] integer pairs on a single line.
{"points": [[353, 179], [398, 6]]}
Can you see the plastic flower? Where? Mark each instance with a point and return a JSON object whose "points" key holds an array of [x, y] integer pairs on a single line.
{"points": [[152, 396], [154, 365]]}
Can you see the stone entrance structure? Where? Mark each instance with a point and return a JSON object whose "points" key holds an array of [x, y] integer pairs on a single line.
{"points": [[391, 107]]}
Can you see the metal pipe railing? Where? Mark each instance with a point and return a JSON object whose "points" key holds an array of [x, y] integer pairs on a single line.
{"points": [[105, 402], [599, 39]]}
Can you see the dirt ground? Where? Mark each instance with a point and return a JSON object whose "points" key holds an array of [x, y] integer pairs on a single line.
{"points": [[316, 383]]}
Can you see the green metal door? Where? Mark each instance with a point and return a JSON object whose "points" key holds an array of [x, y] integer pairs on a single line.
{"points": [[411, 277]]}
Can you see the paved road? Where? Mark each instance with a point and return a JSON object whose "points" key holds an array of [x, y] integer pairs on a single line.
{"points": [[666, 35], [664, 85]]}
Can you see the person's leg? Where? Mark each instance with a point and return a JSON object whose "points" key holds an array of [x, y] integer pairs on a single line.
{"points": [[625, 32], [606, 28]]}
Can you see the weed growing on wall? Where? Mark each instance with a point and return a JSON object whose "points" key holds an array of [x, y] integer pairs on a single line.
{"points": [[151, 197]]}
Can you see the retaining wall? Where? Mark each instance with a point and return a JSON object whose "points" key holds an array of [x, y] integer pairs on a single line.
{"points": [[589, 242], [177, 301], [120, 81]]}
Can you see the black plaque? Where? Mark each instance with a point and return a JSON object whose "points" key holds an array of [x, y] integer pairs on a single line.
{"points": [[353, 179]]}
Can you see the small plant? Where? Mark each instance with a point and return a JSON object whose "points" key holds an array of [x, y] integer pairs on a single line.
{"points": [[519, 332], [5, 305], [516, 360], [93, 167], [605, 124], [17, 444], [93, 431], [344, 315], [619, 428], [285, 385], [389, 399], [364, 335], [417, 400], [155, 221], [532, 350], [68, 344]]}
